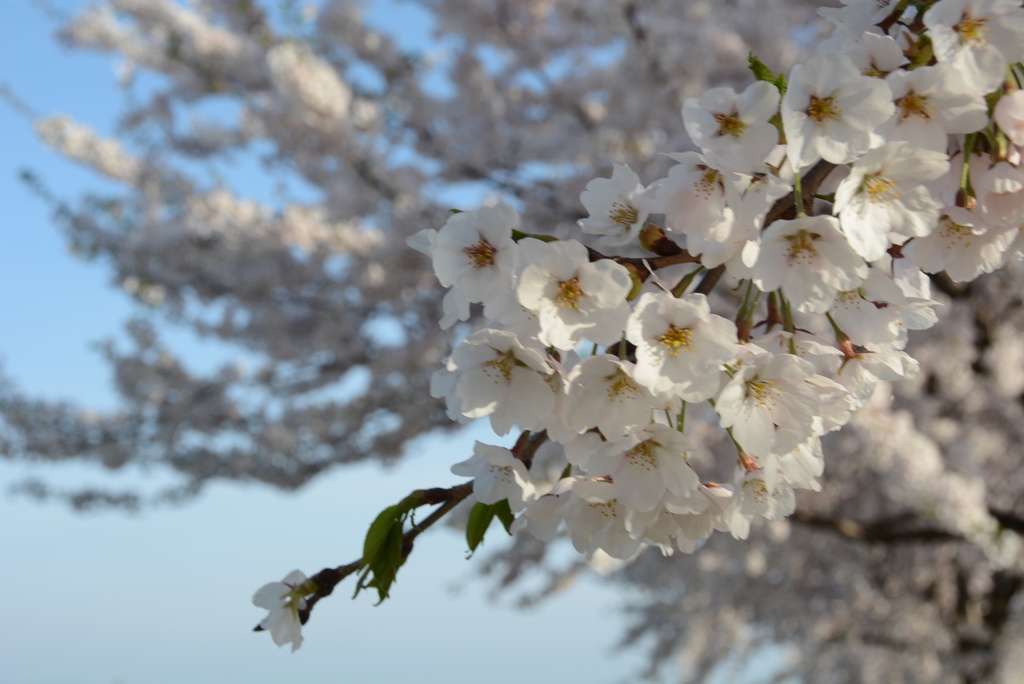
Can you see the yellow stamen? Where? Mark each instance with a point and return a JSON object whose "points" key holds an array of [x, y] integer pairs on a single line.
{"points": [[972, 31], [623, 214], [913, 104], [729, 125], [801, 245], [622, 387], [500, 366], [676, 339], [709, 181], [481, 255], [763, 391], [880, 190], [823, 109], [643, 455], [569, 293]]}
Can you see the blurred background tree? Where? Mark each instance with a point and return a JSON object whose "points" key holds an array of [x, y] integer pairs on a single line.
{"points": [[906, 567]]}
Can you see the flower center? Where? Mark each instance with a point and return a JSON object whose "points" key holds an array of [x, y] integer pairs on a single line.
{"points": [[605, 508], [823, 109], [759, 490], [763, 392], [501, 365], [957, 233], [676, 340], [623, 214], [801, 245], [569, 293], [972, 31], [729, 125], [913, 104], [873, 71], [481, 255], [880, 190], [621, 385], [709, 180], [642, 455]]}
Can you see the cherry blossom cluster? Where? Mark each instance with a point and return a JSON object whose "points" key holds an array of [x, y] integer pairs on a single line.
{"points": [[920, 140], [824, 198]]}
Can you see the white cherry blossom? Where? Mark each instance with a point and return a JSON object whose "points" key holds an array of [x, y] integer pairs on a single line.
{"points": [[284, 604], [878, 314], [732, 128], [861, 372], [768, 391], [933, 102], [1009, 116], [1000, 193], [498, 475], [810, 259], [693, 197], [680, 345], [978, 37], [885, 193], [962, 245], [499, 377], [645, 464], [574, 297], [596, 519], [603, 394], [830, 111], [474, 252], [875, 54], [618, 207]]}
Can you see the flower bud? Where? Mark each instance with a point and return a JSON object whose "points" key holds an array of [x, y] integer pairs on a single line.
{"points": [[654, 239], [637, 279]]}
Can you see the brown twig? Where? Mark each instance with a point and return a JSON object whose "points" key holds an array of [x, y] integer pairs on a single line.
{"points": [[449, 497]]}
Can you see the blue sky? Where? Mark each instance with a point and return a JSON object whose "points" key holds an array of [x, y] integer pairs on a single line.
{"points": [[163, 597]]}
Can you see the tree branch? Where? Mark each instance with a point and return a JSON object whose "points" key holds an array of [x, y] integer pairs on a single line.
{"points": [[449, 497]]}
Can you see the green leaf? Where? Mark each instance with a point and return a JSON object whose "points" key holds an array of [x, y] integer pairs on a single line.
{"points": [[479, 520], [763, 73], [378, 533], [504, 513], [518, 235], [385, 567], [382, 550]]}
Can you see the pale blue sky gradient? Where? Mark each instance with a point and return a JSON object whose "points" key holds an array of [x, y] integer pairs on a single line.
{"points": [[163, 597]]}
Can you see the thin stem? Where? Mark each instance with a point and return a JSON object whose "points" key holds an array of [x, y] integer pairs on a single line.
{"points": [[684, 284], [710, 280], [798, 195]]}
